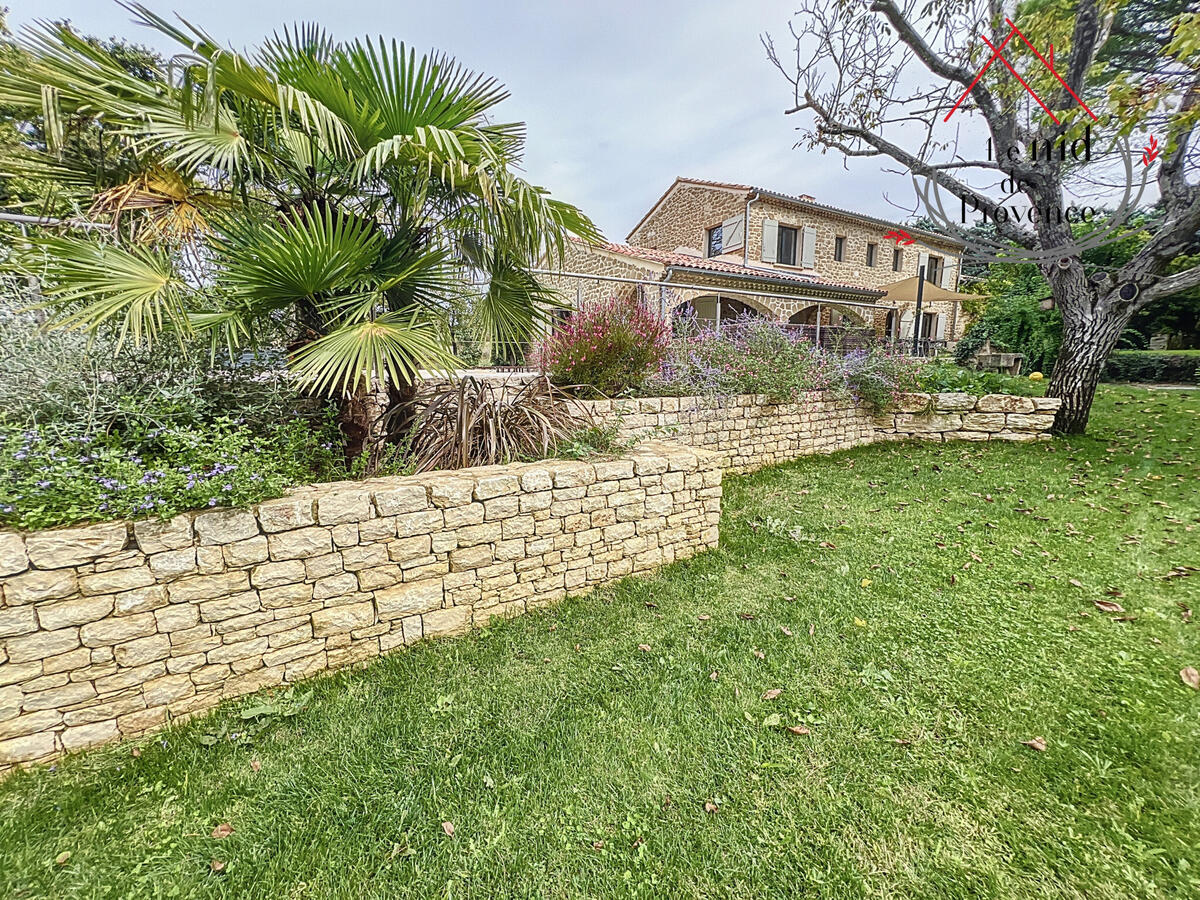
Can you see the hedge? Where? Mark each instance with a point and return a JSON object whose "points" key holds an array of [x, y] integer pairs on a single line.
{"points": [[1155, 366]]}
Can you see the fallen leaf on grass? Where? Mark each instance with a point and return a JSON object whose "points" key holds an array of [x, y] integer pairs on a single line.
{"points": [[256, 765], [1190, 677], [223, 830], [61, 859], [772, 693], [760, 654], [135, 752], [798, 729], [1185, 611], [714, 675], [597, 845], [1108, 606], [1074, 582], [866, 582], [745, 616], [1037, 743], [861, 623], [710, 807], [704, 618], [216, 865], [787, 631], [448, 827], [645, 648], [812, 629]]}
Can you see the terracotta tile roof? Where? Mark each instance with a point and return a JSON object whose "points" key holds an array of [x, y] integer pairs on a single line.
{"points": [[806, 200], [721, 267]]}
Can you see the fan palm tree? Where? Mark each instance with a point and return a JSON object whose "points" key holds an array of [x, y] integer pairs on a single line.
{"points": [[353, 190]]}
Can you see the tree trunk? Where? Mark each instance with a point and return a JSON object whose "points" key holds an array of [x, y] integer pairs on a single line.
{"points": [[1090, 331], [359, 419]]}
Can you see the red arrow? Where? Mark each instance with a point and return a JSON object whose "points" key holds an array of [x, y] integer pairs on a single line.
{"points": [[901, 236]]}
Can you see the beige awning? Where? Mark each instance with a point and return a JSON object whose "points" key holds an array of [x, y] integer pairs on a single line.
{"points": [[906, 292]]}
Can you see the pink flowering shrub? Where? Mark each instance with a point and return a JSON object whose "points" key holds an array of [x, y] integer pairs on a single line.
{"points": [[611, 346]]}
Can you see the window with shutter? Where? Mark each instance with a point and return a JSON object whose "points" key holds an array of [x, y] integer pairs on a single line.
{"points": [[715, 241], [934, 273], [872, 252], [808, 248], [839, 248], [897, 260], [923, 263], [770, 240], [786, 255], [732, 234], [949, 271]]}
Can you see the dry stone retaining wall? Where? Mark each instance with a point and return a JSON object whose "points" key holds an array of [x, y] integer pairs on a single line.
{"points": [[748, 432], [108, 630]]}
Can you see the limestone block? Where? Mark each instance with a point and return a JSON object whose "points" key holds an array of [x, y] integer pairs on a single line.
{"points": [[914, 403], [287, 514], [1030, 422], [27, 748], [276, 574], [449, 491], [59, 697], [36, 586], [953, 402], [76, 611], [230, 606], [207, 587], [1005, 403], [338, 619], [115, 581], [246, 553], [534, 480], [447, 622], [13, 558], [173, 563], [1047, 404], [489, 486], [343, 505], [225, 526], [983, 421], [335, 586], [142, 651], [300, 543], [379, 577], [417, 523], [159, 536], [177, 617], [404, 498], [64, 547], [17, 620], [927, 424], [409, 598], [41, 644]]}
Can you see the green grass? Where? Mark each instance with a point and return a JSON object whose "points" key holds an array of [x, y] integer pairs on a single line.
{"points": [[573, 764]]}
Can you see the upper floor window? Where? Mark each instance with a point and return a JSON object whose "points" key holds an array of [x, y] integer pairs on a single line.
{"points": [[839, 248], [934, 271], [715, 235], [872, 252], [897, 260], [787, 246]]}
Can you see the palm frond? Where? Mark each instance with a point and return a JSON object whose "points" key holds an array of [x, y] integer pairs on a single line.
{"points": [[395, 346], [90, 285]]}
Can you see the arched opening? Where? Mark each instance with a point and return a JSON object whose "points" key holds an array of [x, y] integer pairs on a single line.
{"points": [[712, 308]]}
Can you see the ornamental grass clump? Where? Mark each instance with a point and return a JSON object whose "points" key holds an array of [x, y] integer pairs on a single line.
{"points": [[610, 347]]}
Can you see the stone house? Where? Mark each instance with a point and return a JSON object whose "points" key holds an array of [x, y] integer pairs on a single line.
{"points": [[722, 250]]}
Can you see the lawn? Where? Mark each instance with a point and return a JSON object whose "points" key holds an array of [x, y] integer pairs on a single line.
{"points": [[922, 610]]}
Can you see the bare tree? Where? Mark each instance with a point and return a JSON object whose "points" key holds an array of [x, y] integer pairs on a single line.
{"points": [[886, 78]]}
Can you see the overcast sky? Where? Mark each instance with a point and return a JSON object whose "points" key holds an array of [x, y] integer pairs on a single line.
{"points": [[619, 97]]}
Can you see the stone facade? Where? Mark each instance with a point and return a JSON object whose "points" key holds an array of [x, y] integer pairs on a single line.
{"points": [[107, 631], [681, 219], [747, 432]]}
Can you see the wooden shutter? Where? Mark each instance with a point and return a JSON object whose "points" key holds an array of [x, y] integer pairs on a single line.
{"points": [[733, 234], [808, 248], [923, 263], [770, 242], [949, 272], [906, 325], [939, 331]]}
